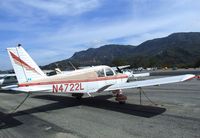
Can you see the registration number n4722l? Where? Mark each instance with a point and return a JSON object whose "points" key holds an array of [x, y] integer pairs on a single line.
{"points": [[67, 87]]}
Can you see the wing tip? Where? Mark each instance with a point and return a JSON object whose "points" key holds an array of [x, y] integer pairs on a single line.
{"points": [[189, 77]]}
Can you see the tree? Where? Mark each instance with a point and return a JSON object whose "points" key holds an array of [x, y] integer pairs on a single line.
{"points": [[197, 64]]}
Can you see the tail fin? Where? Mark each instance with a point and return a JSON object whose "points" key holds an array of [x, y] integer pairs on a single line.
{"points": [[24, 66]]}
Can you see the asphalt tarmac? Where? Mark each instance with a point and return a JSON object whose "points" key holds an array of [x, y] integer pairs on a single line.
{"points": [[172, 110]]}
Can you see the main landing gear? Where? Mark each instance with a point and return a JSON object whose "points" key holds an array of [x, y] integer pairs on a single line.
{"points": [[77, 95], [119, 96]]}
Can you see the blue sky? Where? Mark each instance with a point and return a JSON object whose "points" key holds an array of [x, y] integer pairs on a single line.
{"points": [[52, 30]]}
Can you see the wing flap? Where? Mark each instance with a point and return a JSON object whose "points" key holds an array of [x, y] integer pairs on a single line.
{"points": [[152, 82]]}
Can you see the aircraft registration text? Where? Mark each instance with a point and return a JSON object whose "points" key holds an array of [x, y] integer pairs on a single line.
{"points": [[67, 87]]}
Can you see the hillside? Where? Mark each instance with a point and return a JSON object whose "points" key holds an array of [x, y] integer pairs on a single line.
{"points": [[177, 40], [95, 56], [178, 49]]}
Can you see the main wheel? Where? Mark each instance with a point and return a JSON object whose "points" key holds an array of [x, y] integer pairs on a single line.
{"points": [[121, 98]]}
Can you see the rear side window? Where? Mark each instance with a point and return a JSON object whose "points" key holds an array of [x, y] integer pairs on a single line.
{"points": [[100, 73]]}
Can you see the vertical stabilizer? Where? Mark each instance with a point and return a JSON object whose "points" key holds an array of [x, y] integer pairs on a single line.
{"points": [[25, 68]]}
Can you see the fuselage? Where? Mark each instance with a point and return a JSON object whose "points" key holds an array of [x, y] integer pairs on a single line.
{"points": [[88, 80]]}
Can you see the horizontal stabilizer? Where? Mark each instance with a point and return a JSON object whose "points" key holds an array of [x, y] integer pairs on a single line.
{"points": [[25, 89]]}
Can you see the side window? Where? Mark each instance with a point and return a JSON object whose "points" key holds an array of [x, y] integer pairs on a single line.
{"points": [[109, 72], [100, 73]]}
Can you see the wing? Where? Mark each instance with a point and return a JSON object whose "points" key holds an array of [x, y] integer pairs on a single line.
{"points": [[152, 82], [137, 75]]}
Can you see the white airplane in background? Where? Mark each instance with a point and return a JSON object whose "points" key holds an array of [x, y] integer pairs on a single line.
{"points": [[7, 79], [78, 82], [121, 69]]}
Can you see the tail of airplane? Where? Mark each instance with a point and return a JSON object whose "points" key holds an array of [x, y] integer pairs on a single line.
{"points": [[25, 68]]}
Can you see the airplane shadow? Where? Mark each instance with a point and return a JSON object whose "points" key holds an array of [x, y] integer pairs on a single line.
{"points": [[95, 102], [8, 120]]}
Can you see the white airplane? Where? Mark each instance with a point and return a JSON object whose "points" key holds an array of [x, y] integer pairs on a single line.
{"points": [[7, 79], [78, 82], [122, 69]]}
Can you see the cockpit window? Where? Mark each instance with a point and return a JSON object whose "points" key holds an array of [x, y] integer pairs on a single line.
{"points": [[109, 72], [100, 73]]}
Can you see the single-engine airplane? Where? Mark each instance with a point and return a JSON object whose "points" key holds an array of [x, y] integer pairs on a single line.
{"points": [[78, 82], [135, 76]]}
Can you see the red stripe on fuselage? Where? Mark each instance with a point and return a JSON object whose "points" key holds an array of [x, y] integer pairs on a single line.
{"points": [[74, 81]]}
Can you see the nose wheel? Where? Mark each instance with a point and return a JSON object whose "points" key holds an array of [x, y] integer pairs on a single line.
{"points": [[119, 96]]}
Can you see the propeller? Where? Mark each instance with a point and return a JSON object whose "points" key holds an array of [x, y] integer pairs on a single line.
{"points": [[119, 70]]}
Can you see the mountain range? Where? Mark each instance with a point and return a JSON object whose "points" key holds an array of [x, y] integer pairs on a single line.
{"points": [[177, 49]]}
